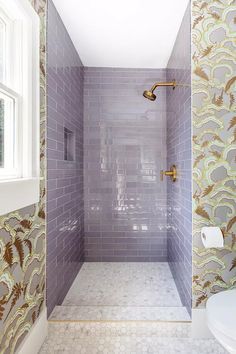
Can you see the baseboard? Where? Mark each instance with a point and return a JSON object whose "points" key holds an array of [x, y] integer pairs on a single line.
{"points": [[35, 338], [199, 324]]}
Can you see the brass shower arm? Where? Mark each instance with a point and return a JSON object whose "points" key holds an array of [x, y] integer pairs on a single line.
{"points": [[149, 93], [157, 84]]}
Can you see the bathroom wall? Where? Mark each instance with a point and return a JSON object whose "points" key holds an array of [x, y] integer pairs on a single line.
{"points": [[124, 151], [65, 177], [179, 194], [214, 144], [22, 239]]}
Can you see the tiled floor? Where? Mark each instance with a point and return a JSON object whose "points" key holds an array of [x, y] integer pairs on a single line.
{"points": [[124, 284], [126, 338], [123, 308], [122, 291]]}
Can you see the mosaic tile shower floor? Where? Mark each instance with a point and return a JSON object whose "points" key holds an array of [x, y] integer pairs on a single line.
{"points": [[122, 291], [123, 284]]}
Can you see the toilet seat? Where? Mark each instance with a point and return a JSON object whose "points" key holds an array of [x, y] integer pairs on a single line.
{"points": [[221, 312], [221, 316]]}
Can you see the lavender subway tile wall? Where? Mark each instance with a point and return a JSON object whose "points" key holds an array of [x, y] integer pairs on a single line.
{"points": [[179, 152], [124, 151], [65, 178]]}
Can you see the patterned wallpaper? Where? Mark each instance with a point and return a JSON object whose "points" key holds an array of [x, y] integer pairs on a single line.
{"points": [[214, 138], [22, 246]]}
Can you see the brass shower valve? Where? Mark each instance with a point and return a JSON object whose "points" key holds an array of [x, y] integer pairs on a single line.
{"points": [[172, 173]]}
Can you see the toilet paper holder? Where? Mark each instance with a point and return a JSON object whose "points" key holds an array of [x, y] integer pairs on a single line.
{"points": [[212, 237]]}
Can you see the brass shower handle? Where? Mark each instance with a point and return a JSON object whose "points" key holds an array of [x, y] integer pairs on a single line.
{"points": [[172, 173]]}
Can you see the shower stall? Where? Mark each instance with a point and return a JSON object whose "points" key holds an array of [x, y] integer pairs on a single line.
{"points": [[127, 232]]}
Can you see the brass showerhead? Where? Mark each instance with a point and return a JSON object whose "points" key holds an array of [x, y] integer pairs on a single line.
{"points": [[149, 93]]}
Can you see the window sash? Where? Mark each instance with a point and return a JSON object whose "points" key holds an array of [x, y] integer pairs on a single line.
{"points": [[12, 81], [12, 134], [8, 50]]}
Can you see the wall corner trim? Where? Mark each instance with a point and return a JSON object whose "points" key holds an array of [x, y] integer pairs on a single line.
{"points": [[199, 324], [37, 335]]}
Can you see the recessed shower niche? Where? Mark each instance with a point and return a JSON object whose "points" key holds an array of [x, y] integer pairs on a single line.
{"points": [[69, 145]]}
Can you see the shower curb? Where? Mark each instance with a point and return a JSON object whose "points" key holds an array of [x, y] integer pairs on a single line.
{"points": [[120, 313]]}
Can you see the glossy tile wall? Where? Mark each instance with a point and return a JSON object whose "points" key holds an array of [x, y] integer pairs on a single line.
{"points": [[179, 153], [124, 151], [65, 178]]}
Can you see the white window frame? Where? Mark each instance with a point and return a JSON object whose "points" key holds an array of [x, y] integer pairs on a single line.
{"points": [[19, 187]]}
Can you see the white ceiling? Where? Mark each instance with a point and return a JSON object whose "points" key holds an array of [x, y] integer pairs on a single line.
{"points": [[123, 33]]}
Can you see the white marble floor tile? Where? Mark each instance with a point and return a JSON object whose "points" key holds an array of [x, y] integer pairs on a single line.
{"points": [[81, 330], [126, 338], [124, 284], [114, 308]]}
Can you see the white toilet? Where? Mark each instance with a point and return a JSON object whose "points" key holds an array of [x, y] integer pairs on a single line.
{"points": [[221, 318]]}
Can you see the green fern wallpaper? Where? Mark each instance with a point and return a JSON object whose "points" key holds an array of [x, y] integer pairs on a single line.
{"points": [[214, 143], [22, 245]]}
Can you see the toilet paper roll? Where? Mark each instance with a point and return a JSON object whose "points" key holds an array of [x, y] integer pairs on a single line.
{"points": [[212, 237]]}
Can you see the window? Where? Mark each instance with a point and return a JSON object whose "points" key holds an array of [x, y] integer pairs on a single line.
{"points": [[19, 105]]}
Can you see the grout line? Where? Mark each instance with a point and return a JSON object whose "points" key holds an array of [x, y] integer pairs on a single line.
{"points": [[117, 321], [132, 306]]}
